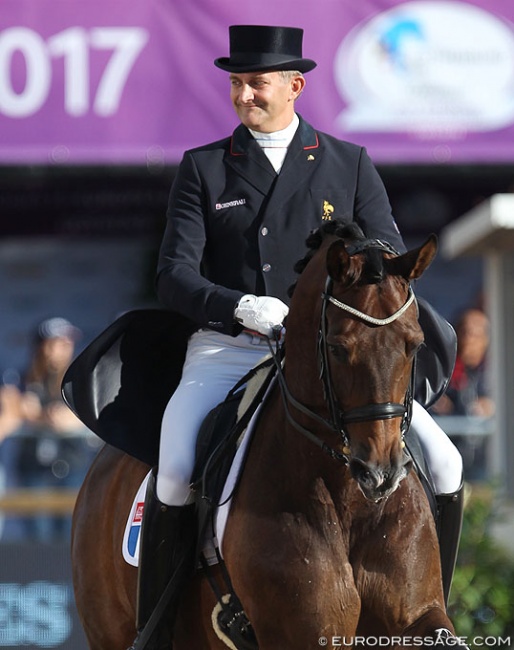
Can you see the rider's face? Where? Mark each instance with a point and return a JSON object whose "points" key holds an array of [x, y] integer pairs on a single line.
{"points": [[264, 101]]}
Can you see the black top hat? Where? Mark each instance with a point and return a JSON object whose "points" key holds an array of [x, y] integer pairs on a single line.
{"points": [[258, 47]]}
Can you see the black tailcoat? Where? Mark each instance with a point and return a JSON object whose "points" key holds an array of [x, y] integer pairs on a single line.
{"points": [[236, 227]]}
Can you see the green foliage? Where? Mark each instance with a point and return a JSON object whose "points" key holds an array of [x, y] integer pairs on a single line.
{"points": [[482, 595]]}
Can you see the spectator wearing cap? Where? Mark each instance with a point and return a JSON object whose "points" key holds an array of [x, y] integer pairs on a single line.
{"points": [[55, 340], [51, 449]]}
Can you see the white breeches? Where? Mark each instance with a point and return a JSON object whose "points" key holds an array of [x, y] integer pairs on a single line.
{"points": [[442, 456], [214, 363]]}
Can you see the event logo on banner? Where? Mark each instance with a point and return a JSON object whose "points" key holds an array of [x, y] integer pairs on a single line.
{"points": [[438, 68]]}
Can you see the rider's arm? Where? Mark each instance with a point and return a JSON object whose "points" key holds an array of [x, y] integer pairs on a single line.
{"points": [[180, 285]]}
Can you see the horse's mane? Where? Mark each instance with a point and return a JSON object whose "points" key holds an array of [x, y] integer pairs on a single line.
{"points": [[347, 231]]}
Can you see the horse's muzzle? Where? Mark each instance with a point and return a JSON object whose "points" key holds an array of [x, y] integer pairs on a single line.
{"points": [[377, 482]]}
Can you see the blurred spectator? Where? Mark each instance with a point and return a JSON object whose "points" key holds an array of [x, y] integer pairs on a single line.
{"points": [[53, 352], [50, 447], [468, 392], [11, 405], [11, 417]]}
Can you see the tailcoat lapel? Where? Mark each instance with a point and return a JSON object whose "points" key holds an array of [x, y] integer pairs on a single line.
{"points": [[249, 161], [299, 164]]}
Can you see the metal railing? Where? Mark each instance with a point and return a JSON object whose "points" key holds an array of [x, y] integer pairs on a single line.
{"points": [[465, 425], [33, 501]]}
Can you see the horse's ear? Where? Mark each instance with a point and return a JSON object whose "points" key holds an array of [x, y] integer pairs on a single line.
{"points": [[338, 261], [414, 263]]}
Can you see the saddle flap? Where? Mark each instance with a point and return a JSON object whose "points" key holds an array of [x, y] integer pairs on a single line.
{"points": [[436, 359]]}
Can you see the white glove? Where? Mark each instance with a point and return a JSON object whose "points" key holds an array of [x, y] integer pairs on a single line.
{"points": [[260, 313]]}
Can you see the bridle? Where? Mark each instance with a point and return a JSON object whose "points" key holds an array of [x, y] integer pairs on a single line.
{"points": [[339, 418]]}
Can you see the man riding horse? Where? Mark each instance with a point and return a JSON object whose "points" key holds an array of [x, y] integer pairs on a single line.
{"points": [[238, 214]]}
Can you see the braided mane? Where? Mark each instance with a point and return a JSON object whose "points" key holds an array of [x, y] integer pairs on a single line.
{"points": [[350, 231]]}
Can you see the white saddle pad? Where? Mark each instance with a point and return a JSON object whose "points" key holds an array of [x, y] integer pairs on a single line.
{"points": [[131, 537]]}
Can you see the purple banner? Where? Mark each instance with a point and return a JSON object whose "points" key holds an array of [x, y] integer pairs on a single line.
{"points": [[134, 82]]}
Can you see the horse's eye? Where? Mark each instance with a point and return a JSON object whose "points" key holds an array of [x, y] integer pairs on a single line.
{"points": [[339, 352]]}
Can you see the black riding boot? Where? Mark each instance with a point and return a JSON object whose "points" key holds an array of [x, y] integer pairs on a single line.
{"points": [[449, 524], [168, 545]]}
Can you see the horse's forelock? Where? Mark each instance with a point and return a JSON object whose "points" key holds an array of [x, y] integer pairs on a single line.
{"points": [[350, 232], [373, 269]]}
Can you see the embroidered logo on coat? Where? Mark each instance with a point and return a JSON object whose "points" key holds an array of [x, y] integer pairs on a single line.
{"points": [[328, 208], [230, 204]]}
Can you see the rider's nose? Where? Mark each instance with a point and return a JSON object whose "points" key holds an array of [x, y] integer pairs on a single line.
{"points": [[246, 94]]}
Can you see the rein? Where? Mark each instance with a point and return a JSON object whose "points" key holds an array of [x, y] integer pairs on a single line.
{"points": [[287, 398], [339, 418]]}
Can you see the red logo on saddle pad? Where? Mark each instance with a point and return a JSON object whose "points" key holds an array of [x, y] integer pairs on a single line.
{"points": [[138, 513]]}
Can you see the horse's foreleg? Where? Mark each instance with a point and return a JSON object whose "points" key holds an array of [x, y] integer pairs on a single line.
{"points": [[292, 573], [298, 604]]}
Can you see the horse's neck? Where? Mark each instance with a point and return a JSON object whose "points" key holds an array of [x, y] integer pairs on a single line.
{"points": [[299, 435], [302, 370], [293, 474]]}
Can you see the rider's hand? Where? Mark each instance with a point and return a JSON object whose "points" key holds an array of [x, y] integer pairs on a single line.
{"points": [[260, 313]]}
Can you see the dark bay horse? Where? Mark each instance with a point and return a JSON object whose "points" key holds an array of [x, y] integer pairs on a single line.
{"points": [[322, 548]]}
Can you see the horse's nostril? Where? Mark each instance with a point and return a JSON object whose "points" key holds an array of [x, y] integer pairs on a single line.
{"points": [[357, 468], [376, 481], [362, 472]]}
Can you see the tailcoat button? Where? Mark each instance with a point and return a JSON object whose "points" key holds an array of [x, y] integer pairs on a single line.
{"points": [[264, 231], [266, 267]]}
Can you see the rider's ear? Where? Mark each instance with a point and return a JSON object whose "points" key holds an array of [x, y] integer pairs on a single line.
{"points": [[414, 263]]}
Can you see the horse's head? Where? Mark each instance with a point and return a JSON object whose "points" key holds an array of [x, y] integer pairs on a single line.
{"points": [[369, 336]]}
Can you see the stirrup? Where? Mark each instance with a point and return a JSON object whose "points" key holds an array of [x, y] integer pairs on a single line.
{"points": [[231, 624]]}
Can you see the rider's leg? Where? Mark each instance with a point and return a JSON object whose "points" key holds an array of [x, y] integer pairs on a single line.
{"points": [[214, 363], [166, 549], [442, 456], [445, 463], [449, 524]]}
